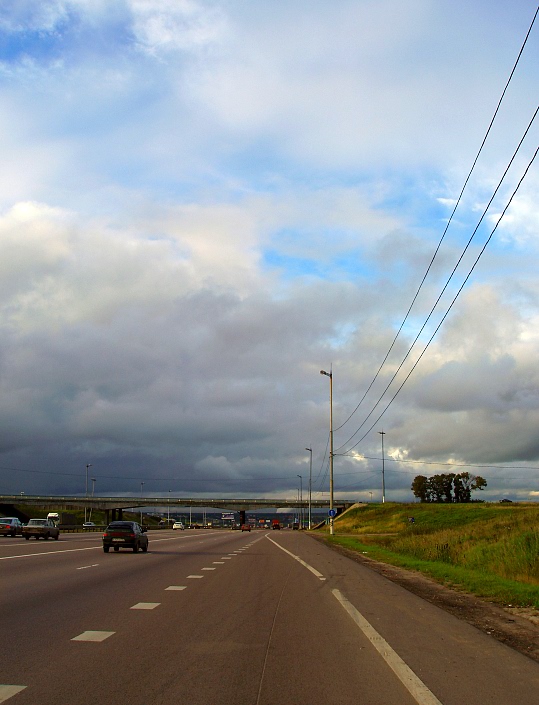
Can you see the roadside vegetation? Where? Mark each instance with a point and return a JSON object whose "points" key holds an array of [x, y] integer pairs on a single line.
{"points": [[490, 550], [98, 517]]}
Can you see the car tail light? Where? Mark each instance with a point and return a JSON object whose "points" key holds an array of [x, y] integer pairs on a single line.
{"points": [[131, 536], [105, 535]]}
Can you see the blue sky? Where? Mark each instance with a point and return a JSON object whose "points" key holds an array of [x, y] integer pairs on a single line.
{"points": [[202, 204]]}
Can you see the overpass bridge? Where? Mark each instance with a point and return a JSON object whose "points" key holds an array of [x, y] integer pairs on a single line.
{"points": [[114, 506]]}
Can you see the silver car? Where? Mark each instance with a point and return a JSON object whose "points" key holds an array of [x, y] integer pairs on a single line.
{"points": [[10, 526]]}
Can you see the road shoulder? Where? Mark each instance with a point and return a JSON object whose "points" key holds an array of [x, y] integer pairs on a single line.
{"points": [[506, 625]]}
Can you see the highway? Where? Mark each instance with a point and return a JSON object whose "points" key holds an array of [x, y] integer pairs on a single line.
{"points": [[230, 618]]}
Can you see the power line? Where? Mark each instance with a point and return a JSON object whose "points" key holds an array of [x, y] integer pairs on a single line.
{"points": [[447, 225], [485, 210], [450, 305], [457, 465]]}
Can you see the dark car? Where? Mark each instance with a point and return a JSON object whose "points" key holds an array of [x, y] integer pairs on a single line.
{"points": [[246, 527], [125, 534], [10, 526]]}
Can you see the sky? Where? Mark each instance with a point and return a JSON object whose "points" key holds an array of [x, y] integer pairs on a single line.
{"points": [[205, 203]]}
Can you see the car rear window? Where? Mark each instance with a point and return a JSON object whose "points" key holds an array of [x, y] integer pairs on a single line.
{"points": [[37, 522], [6, 520], [120, 527]]}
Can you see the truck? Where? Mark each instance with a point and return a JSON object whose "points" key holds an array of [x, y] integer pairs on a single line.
{"points": [[64, 518], [275, 524]]}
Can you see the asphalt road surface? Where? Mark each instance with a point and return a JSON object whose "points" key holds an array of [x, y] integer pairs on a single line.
{"points": [[230, 618]]}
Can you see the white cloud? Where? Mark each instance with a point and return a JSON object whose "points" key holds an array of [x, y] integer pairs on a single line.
{"points": [[172, 25], [204, 203]]}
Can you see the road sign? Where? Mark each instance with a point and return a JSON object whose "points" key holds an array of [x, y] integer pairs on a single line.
{"points": [[332, 512]]}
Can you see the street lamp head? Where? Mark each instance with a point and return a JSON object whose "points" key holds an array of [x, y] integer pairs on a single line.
{"points": [[323, 372], [309, 449]]}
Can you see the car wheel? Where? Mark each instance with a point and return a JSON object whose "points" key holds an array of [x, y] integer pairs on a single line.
{"points": [[57, 537], [46, 537], [14, 534], [145, 549], [106, 549], [27, 538], [116, 549], [135, 548]]}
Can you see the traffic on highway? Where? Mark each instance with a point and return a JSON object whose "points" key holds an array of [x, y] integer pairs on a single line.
{"points": [[225, 618]]}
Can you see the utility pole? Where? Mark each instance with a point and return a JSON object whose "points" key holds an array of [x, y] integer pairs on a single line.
{"points": [[141, 487], [330, 375], [89, 465], [310, 450], [301, 502], [383, 433]]}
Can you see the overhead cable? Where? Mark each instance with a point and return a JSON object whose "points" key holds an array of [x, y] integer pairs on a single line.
{"points": [[450, 305], [447, 225]]}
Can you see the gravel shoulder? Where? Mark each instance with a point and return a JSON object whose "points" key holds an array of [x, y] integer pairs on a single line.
{"points": [[516, 627]]}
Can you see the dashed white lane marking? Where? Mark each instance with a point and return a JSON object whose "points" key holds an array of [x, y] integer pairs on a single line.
{"points": [[92, 636], [195, 576], [176, 587], [145, 606], [208, 568], [219, 562], [226, 558], [8, 691], [419, 691], [94, 565], [298, 559]]}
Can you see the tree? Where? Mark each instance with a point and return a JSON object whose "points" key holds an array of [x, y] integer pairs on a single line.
{"points": [[436, 486], [420, 488], [447, 487]]}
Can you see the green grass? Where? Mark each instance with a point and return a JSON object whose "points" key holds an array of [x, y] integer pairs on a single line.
{"points": [[490, 550]]}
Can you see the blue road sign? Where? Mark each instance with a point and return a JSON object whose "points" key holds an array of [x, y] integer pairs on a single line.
{"points": [[332, 512]]}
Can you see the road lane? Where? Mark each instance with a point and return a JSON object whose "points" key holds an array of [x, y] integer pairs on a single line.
{"points": [[260, 627]]}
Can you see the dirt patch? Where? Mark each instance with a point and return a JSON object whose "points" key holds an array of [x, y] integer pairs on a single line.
{"points": [[517, 627]]}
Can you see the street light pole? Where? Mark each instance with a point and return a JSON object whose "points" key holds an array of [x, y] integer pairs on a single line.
{"points": [[168, 515], [310, 484], [330, 375], [89, 465], [93, 492], [141, 487], [383, 433], [300, 502]]}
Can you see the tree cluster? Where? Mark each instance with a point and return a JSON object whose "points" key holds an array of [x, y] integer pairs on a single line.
{"points": [[448, 487]]}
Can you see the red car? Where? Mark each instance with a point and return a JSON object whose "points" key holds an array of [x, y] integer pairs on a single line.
{"points": [[246, 527]]}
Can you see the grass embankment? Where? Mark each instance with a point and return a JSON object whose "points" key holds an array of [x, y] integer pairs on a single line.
{"points": [[490, 550]]}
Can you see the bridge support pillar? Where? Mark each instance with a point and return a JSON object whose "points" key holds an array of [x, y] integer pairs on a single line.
{"points": [[242, 516]]}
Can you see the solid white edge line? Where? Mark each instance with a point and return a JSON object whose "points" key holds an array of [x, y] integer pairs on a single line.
{"points": [[298, 559], [92, 548], [417, 689], [8, 691]]}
